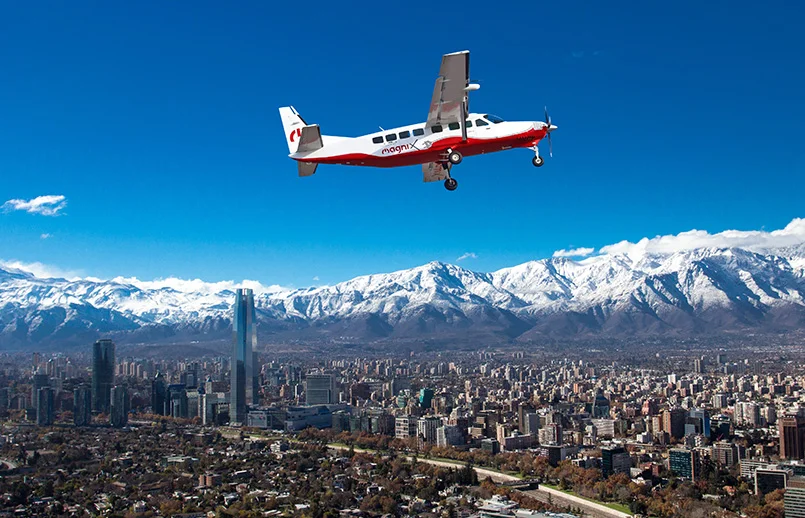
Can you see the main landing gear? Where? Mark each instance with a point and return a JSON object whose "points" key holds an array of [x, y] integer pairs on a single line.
{"points": [[453, 158], [537, 161]]}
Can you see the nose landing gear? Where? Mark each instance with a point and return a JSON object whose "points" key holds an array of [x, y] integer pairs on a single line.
{"points": [[453, 158]]}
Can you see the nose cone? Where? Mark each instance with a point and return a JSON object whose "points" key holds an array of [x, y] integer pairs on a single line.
{"points": [[540, 125]]}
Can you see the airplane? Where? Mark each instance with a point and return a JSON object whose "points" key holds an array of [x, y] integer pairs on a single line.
{"points": [[448, 135]]}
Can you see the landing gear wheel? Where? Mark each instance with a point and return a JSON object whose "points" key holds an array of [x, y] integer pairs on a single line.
{"points": [[450, 184], [455, 157], [538, 161]]}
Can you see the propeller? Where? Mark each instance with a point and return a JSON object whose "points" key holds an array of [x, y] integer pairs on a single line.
{"points": [[548, 129]]}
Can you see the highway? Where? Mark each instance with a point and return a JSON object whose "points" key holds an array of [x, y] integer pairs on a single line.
{"points": [[543, 494]]}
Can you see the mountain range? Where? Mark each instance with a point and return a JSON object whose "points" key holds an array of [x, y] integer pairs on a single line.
{"points": [[696, 291]]}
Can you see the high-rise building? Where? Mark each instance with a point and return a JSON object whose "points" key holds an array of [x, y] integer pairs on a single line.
{"points": [[39, 380], [119, 406], [768, 480], [719, 401], [673, 422], [615, 460], [685, 463], [177, 403], [530, 423], [82, 406], [600, 405], [5, 399], [45, 406], [103, 374], [319, 389], [725, 454], [405, 427], [158, 395], [698, 366], [794, 499], [792, 437], [698, 422], [449, 436], [244, 335], [425, 397], [426, 428]]}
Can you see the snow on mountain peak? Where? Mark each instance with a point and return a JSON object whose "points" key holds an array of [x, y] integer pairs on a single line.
{"points": [[693, 279]]}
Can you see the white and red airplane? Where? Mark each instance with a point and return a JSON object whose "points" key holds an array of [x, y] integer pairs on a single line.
{"points": [[448, 135]]}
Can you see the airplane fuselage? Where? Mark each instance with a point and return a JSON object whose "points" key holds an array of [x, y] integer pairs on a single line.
{"points": [[418, 144]]}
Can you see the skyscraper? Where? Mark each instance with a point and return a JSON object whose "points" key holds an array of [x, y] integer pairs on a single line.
{"points": [[40, 380], [177, 403], [103, 374], [792, 437], [319, 389], [244, 334], [82, 406], [158, 394], [119, 406], [45, 406]]}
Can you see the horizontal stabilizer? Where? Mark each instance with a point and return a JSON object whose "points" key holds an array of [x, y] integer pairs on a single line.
{"points": [[306, 168], [310, 140]]}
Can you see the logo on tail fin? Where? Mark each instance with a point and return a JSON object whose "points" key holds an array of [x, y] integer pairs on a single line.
{"points": [[294, 134]]}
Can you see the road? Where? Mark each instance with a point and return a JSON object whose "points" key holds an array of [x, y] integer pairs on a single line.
{"points": [[543, 494]]}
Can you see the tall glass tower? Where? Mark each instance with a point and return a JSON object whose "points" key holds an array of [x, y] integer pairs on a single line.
{"points": [[244, 333], [103, 374]]}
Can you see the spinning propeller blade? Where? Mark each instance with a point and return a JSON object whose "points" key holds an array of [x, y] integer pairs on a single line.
{"points": [[548, 132]]}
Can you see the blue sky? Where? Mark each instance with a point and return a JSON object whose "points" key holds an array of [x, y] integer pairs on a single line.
{"points": [[158, 124]]}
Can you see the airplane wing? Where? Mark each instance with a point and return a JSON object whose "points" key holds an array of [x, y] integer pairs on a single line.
{"points": [[433, 172], [449, 91]]}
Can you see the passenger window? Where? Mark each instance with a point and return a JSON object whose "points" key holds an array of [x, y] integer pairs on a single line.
{"points": [[454, 125], [391, 137], [436, 129], [405, 134], [481, 122], [377, 140], [419, 132], [468, 124]]}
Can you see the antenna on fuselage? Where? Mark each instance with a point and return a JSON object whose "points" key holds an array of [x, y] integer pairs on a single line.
{"points": [[381, 128]]}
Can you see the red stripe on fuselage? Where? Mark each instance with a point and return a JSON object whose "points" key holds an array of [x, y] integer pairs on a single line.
{"points": [[435, 153]]}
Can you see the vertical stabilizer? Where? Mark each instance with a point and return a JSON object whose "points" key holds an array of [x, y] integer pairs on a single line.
{"points": [[292, 123]]}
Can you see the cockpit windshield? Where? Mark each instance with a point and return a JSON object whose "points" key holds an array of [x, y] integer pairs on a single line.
{"points": [[493, 118]]}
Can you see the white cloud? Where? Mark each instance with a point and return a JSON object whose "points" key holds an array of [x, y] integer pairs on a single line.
{"points": [[467, 255], [49, 205], [575, 252], [45, 236], [757, 240], [44, 271], [316, 278], [197, 285]]}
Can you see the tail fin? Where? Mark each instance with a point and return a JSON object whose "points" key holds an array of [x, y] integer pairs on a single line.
{"points": [[292, 123]]}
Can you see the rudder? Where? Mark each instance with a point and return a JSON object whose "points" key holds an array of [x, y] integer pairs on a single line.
{"points": [[292, 123]]}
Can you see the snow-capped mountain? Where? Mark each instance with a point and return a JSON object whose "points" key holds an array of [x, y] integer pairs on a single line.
{"points": [[639, 291]]}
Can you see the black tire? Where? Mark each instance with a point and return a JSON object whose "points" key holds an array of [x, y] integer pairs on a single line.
{"points": [[450, 184], [538, 161], [455, 157]]}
